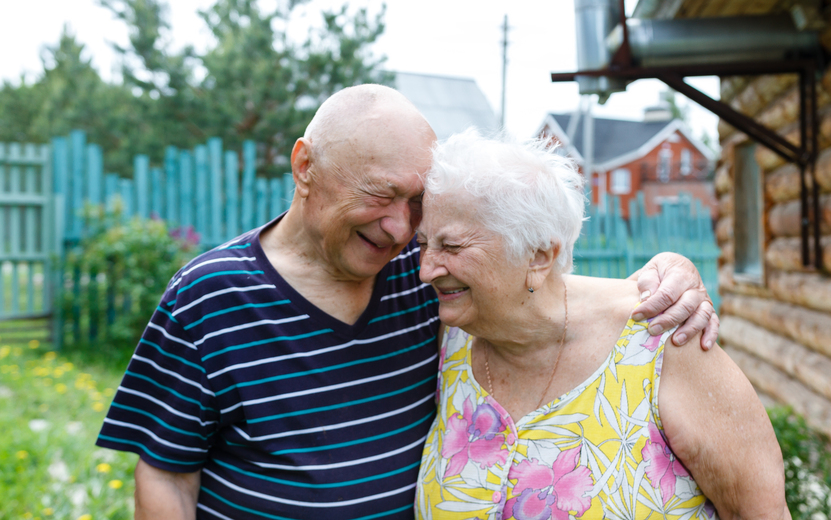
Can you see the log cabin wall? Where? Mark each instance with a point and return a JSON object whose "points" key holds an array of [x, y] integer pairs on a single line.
{"points": [[778, 328]]}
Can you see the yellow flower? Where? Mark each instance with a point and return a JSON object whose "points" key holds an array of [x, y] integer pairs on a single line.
{"points": [[115, 484], [48, 511], [109, 392], [34, 344], [60, 388], [4, 351], [22, 454], [49, 356], [58, 372], [16, 351], [103, 468], [68, 366], [85, 517], [98, 407]]}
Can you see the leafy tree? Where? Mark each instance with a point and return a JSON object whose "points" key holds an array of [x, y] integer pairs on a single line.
{"points": [[255, 83], [70, 94]]}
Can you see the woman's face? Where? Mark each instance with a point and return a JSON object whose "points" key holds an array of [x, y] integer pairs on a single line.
{"points": [[465, 263]]}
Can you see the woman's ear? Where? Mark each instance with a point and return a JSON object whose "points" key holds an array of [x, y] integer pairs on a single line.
{"points": [[540, 266], [300, 164]]}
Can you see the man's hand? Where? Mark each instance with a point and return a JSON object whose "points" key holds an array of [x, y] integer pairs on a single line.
{"points": [[164, 495], [670, 283]]}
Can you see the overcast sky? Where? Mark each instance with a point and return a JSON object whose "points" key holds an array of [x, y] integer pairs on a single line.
{"points": [[447, 37]]}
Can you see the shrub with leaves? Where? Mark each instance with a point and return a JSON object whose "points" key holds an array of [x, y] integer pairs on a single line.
{"points": [[116, 276], [807, 465]]}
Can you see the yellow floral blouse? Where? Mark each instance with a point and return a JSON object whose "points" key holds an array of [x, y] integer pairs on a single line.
{"points": [[596, 452]]}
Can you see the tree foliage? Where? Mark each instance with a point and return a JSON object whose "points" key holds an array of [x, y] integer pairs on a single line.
{"points": [[253, 82]]}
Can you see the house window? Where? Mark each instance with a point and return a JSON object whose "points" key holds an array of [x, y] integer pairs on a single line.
{"points": [[664, 161], [686, 159], [747, 218], [621, 181]]}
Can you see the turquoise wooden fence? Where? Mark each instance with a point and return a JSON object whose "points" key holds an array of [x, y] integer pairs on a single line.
{"points": [[211, 190], [215, 192], [28, 243], [611, 247]]}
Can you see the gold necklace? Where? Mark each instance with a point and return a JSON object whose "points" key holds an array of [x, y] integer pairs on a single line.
{"points": [[556, 361]]}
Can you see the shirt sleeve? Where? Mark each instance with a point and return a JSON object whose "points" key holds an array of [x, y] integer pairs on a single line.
{"points": [[164, 409]]}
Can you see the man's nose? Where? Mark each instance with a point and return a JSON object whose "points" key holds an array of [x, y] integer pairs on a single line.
{"points": [[399, 222]]}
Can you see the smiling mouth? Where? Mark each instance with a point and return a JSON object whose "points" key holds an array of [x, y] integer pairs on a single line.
{"points": [[452, 291], [370, 242]]}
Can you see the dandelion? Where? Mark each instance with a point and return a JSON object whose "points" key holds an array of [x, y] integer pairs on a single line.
{"points": [[67, 367], [85, 517], [103, 468], [98, 407], [22, 454], [58, 372], [115, 484], [49, 356], [16, 351], [48, 511], [34, 344], [60, 388], [109, 392], [4, 351]]}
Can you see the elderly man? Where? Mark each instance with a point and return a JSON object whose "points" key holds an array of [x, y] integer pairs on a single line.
{"points": [[291, 372]]}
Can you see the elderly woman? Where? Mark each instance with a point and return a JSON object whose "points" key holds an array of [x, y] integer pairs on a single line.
{"points": [[553, 402]]}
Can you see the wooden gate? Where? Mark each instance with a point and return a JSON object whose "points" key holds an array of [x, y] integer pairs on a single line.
{"points": [[28, 245]]}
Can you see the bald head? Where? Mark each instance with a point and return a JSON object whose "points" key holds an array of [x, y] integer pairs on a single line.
{"points": [[355, 118]]}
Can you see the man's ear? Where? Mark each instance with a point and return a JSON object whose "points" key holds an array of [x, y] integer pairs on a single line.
{"points": [[540, 266], [300, 164]]}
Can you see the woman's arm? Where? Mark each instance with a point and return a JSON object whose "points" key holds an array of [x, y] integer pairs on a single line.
{"points": [[717, 427]]}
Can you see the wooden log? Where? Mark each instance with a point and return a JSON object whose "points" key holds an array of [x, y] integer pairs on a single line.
{"points": [[823, 170], [783, 183], [810, 290], [784, 219], [728, 252], [810, 368], [768, 160], [725, 205], [782, 112], [785, 254], [731, 86], [809, 327], [724, 229], [761, 92], [815, 408], [723, 180], [725, 131], [728, 285]]}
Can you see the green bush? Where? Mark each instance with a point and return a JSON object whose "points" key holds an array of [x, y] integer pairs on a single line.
{"points": [[807, 465], [115, 277]]}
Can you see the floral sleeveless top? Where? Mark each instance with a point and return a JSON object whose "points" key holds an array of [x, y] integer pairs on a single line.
{"points": [[596, 452]]}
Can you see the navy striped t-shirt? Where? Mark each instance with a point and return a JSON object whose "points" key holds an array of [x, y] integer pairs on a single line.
{"points": [[289, 412]]}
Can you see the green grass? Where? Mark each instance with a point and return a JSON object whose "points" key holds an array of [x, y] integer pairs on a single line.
{"points": [[51, 409]]}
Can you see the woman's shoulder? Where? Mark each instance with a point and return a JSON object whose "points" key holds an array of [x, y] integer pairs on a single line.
{"points": [[613, 298]]}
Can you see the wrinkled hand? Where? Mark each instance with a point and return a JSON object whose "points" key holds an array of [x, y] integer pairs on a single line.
{"points": [[671, 283]]}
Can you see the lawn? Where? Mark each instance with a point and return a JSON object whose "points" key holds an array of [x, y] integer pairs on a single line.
{"points": [[50, 411]]}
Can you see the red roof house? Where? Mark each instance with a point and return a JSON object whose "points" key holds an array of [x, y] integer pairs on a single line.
{"points": [[658, 156]]}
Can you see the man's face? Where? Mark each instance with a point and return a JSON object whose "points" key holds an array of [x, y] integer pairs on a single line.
{"points": [[367, 204]]}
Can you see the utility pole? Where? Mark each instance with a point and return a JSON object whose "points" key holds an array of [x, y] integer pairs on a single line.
{"points": [[504, 65]]}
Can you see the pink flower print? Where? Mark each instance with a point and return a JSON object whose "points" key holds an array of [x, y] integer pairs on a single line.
{"points": [[663, 467], [473, 436], [550, 492], [652, 343]]}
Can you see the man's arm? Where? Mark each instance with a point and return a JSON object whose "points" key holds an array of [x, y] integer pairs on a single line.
{"points": [[671, 286], [164, 495]]}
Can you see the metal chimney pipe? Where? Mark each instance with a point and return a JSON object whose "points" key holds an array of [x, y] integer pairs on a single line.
{"points": [[712, 40], [595, 19]]}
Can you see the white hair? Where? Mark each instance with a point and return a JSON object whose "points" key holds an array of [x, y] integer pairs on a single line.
{"points": [[523, 191]]}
